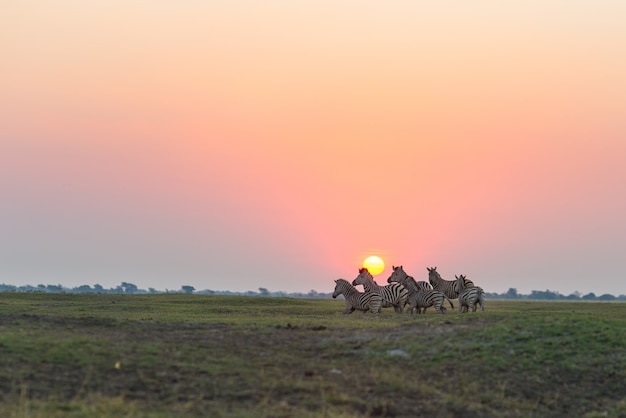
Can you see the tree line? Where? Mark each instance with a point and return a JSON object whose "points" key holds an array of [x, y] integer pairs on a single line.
{"points": [[130, 288]]}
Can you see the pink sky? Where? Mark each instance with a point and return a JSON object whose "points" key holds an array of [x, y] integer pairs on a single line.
{"points": [[237, 145]]}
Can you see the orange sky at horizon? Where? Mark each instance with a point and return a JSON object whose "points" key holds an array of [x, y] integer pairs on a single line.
{"points": [[244, 145]]}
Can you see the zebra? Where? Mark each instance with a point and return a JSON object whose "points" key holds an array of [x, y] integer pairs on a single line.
{"points": [[393, 294], [469, 296], [420, 293], [399, 275], [356, 300], [448, 287], [427, 298]]}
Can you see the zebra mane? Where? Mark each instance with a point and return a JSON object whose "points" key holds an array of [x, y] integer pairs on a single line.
{"points": [[408, 283], [412, 279]]}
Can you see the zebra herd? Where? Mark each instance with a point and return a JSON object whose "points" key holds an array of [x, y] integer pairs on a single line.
{"points": [[404, 289]]}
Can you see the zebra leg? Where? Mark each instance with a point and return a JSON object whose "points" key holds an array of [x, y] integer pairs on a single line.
{"points": [[349, 309], [403, 302]]}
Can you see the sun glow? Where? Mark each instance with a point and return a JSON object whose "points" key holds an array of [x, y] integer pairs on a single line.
{"points": [[374, 264]]}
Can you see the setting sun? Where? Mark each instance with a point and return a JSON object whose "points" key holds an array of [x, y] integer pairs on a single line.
{"points": [[374, 264]]}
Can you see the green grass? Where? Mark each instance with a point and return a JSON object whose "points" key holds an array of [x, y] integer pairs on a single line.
{"points": [[166, 355]]}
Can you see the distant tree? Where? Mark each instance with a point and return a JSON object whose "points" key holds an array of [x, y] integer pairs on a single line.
{"points": [[55, 288], [536, 294], [606, 296], [187, 289], [263, 291], [128, 287], [589, 296], [152, 290], [98, 288], [41, 287], [511, 293], [82, 289]]}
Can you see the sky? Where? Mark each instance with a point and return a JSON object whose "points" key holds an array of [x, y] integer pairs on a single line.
{"points": [[233, 145]]}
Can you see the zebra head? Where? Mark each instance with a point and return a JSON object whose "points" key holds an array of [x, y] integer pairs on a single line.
{"points": [[397, 275], [364, 277], [340, 286], [462, 283], [459, 283], [433, 273]]}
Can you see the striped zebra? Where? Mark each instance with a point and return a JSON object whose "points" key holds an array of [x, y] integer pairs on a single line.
{"points": [[356, 300], [393, 294], [448, 287], [400, 276], [425, 299], [469, 296]]}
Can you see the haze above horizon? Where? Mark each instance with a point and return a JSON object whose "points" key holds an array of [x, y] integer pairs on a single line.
{"points": [[238, 145]]}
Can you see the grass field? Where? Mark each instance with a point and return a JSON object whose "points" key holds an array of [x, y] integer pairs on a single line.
{"points": [[175, 355]]}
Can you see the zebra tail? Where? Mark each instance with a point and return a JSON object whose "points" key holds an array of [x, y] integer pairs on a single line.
{"points": [[451, 305]]}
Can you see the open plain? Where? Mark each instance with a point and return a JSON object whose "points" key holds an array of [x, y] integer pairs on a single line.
{"points": [[166, 355]]}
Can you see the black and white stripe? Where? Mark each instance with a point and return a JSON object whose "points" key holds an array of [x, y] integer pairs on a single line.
{"points": [[356, 300], [400, 276], [469, 297], [393, 294], [448, 287], [426, 298]]}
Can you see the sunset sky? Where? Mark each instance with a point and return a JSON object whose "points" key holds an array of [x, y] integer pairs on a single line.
{"points": [[232, 145]]}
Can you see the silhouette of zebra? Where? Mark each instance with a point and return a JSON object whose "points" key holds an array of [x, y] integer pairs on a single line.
{"points": [[469, 296], [400, 276], [393, 294], [448, 287], [356, 300]]}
